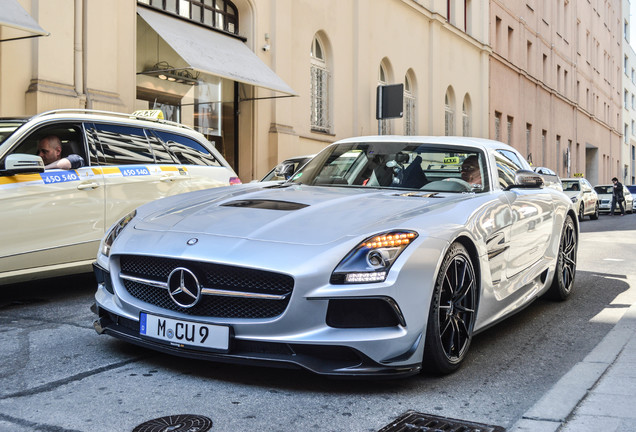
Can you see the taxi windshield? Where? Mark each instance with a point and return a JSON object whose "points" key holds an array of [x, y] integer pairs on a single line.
{"points": [[7, 127]]}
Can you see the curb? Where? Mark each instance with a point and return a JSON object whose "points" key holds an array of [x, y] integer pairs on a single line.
{"points": [[556, 406]]}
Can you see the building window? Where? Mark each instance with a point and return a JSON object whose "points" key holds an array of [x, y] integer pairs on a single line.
{"points": [[449, 113], [409, 108], [220, 14], [497, 126], [466, 112], [544, 150], [509, 129], [320, 118], [528, 142]]}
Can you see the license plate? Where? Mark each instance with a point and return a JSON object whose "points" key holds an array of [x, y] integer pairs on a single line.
{"points": [[181, 333]]}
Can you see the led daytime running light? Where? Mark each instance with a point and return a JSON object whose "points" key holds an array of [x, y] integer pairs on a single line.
{"points": [[390, 240]]}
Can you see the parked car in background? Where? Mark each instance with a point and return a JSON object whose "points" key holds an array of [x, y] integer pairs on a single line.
{"points": [[52, 221], [605, 193], [632, 189], [381, 256], [583, 196], [550, 178], [285, 169]]}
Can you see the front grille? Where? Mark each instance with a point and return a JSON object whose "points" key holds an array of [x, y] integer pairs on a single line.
{"points": [[210, 275]]}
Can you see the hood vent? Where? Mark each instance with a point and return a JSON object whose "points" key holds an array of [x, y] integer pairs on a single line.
{"points": [[266, 204]]}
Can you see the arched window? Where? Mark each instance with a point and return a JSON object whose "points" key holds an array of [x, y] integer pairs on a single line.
{"points": [[320, 118], [449, 112], [220, 14], [384, 127], [466, 116], [410, 127]]}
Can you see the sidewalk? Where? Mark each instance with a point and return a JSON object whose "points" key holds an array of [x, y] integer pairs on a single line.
{"points": [[597, 394]]}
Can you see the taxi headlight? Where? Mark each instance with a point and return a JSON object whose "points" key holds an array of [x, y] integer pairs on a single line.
{"points": [[114, 231], [573, 199], [371, 260]]}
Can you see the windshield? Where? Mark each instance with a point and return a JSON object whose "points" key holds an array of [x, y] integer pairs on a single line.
{"points": [[7, 127], [428, 167], [604, 189], [571, 185]]}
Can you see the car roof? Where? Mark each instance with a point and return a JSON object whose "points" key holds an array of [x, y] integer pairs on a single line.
{"points": [[483, 143]]}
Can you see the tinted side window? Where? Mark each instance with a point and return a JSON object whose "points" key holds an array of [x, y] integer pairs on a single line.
{"points": [[506, 169], [512, 157], [186, 150], [162, 155], [123, 145]]}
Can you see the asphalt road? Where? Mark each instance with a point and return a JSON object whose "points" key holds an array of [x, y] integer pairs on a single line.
{"points": [[58, 375]]}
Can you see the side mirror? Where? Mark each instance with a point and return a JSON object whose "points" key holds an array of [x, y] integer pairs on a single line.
{"points": [[19, 163], [284, 170], [527, 179]]}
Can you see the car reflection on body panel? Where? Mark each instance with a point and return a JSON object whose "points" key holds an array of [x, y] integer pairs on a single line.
{"points": [[377, 258]]}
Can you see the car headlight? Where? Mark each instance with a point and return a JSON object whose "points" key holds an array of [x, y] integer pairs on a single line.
{"points": [[371, 260], [114, 231], [573, 199]]}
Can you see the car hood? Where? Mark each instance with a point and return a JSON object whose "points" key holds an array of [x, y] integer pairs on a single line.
{"points": [[572, 193], [310, 215]]}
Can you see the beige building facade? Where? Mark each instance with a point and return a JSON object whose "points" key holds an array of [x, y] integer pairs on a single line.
{"points": [[556, 84], [629, 101], [309, 78]]}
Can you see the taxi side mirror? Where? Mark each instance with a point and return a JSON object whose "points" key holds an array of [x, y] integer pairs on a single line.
{"points": [[19, 163]]}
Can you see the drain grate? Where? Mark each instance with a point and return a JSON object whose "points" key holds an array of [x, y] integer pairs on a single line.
{"points": [[412, 421], [176, 423]]}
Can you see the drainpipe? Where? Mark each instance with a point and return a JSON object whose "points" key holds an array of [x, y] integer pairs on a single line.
{"points": [[78, 52]]}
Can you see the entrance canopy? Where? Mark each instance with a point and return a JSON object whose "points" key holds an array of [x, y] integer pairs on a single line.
{"points": [[12, 15], [214, 53]]}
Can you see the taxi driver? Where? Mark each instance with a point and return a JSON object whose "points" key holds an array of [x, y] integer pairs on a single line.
{"points": [[50, 150]]}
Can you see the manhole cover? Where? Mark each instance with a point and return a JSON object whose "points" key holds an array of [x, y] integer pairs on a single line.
{"points": [[176, 423], [412, 421]]}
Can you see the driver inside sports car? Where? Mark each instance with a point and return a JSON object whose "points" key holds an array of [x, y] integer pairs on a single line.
{"points": [[470, 170]]}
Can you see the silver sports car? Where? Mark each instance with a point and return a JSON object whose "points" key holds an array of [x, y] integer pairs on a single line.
{"points": [[382, 256]]}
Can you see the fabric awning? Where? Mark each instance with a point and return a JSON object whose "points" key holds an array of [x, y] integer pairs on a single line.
{"points": [[211, 52], [13, 15]]}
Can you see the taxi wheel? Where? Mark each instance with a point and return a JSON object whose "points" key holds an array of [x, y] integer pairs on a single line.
{"points": [[594, 216]]}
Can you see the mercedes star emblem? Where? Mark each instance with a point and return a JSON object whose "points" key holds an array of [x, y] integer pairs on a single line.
{"points": [[183, 287]]}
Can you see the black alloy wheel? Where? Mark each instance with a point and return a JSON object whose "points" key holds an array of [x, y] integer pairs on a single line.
{"points": [[581, 212], [452, 313], [565, 271]]}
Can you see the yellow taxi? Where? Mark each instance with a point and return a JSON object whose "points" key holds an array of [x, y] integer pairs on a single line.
{"points": [[52, 220]]}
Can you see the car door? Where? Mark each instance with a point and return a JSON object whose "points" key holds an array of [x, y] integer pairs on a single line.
{"points": [[204, 165], [131, 173], [589, 197], [532, 216], [53, 218]]}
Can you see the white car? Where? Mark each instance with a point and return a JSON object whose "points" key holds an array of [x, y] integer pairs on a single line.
{"points": [[381, 256], [583, 196], [52, 221], [605, 193], [285, 169]]}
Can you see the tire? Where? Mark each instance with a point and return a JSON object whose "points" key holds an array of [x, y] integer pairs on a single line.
{"points": [[565, 271], [581, 212], [594, 216], [451, 317]]}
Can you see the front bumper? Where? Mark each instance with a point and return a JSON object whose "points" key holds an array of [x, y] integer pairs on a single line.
{"points": [[320, 359], [309, 338]]}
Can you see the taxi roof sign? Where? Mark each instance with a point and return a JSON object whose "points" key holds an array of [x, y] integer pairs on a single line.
{"points": [[149, 114]]}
